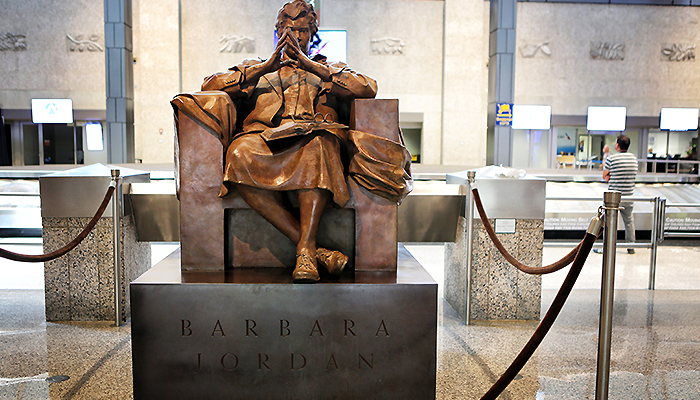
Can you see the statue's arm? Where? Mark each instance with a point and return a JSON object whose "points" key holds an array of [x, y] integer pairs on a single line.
{"points": [[348, 84], [239, 81], [338, 79]]}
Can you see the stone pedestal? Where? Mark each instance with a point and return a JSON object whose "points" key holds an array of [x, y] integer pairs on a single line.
{"points": [[79, 286], [498, 290], [249, 333]]}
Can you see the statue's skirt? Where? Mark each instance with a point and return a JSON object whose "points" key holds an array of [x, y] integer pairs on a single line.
{"points": [[312, 161]]}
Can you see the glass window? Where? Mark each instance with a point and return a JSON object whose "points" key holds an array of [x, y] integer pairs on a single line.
{"points": [[530, 148]]}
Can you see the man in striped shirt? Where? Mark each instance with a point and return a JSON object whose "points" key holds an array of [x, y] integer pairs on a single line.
{"points": [[619, 171]]}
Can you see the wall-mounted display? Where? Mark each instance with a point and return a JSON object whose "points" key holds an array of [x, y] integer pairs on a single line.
{"points": [[52, 111], [532, 117], [679, 119], [606, 118]]}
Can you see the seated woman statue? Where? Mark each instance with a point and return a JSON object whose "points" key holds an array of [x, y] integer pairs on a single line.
{"points": [[290, 139]]}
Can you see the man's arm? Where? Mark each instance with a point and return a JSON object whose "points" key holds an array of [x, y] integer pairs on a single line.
{"points": [[606, 175]]}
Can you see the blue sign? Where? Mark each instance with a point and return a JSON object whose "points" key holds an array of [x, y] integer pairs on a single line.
{"points": [[504, 114]]}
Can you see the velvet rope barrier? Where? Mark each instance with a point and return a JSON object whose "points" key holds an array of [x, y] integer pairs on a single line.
{"points": [[578, 256], [566, 260], [543, 328], [70, 246]]}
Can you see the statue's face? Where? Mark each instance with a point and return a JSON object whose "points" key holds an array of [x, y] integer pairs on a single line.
{"points": [[300, 29]]}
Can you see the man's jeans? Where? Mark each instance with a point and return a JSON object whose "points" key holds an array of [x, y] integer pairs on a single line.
{"points": [[626, 214]]}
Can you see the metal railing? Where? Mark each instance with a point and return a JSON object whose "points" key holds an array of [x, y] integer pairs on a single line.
{"points": [[676, 234], [658, 231], [676, 163]]}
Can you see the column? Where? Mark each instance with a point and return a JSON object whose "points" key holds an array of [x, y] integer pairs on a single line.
{"points": [[119, 81], [501, 78]]}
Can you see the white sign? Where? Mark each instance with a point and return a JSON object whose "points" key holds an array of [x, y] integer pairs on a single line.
{"points": [[679, 119], [606, 118], [52, 111], [505, 225], [93, 136], [532, 117]]}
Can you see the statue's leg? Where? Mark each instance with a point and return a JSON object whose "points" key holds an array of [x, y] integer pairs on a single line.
{"points": [[312, 203], [271, 206]]}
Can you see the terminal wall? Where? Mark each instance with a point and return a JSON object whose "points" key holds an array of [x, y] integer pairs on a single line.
{"points": [[38, 60], [440, 75], [570, 79], [156, 78]]}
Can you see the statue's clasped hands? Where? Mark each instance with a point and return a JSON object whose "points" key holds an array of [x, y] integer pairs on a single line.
{"points": [[290, 52]]}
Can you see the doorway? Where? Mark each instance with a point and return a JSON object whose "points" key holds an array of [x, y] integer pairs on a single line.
{"points": [[43, 144]]}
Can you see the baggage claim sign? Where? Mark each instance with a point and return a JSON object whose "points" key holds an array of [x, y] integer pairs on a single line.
{"points": [[504, 114]]}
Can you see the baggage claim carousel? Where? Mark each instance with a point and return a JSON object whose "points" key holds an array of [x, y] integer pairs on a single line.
{"points": [[429, 214]]}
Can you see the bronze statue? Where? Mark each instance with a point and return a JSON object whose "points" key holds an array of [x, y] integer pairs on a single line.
{"points": [[291, 139]]}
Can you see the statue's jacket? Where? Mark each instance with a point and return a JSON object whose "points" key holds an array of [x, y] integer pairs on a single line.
{"points": [[283, 132]]}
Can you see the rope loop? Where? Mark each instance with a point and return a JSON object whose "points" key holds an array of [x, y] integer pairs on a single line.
{"points": [[556, 266], [70, 246]]}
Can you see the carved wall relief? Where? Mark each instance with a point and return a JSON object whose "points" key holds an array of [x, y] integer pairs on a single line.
{"points": [[13, 42], [387, 46], [678, 52], [607, 51], [235, 44], [530, 50], [77, 43]]}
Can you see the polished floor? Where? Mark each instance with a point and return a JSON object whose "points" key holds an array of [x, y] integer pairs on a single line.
{"points": [[655, 345]]}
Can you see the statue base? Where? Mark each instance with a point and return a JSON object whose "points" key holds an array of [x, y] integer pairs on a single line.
{"points": [[250, 333]]}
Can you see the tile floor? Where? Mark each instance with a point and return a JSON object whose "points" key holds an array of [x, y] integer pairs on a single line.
{"points": [[655, 346]]}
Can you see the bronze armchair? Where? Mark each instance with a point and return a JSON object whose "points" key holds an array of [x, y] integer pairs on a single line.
{"points": [[220, 233]]}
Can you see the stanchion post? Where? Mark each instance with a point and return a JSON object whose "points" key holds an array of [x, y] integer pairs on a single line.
{"points": [[655, 223], [469, 219], [662, 220], [116, 224], [611, 204]]}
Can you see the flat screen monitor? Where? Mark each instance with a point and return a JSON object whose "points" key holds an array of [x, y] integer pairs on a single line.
{"points": [[52, 111], [679, 119], [606, 118], [532, 117]]}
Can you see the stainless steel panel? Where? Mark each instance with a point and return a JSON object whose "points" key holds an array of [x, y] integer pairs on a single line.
{"points": [[521, 198], [156, 211], [512, 198], [78, 192], [429, 218]]}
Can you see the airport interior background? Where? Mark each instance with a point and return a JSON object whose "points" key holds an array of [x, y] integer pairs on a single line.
{"points": [[436, 58]]}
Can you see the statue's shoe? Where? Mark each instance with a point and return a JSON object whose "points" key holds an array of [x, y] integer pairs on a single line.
{"points": [[306, 270], [333, 261]]}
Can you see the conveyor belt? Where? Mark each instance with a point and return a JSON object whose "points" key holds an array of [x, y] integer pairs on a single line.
{"points": [[575, 215]]}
